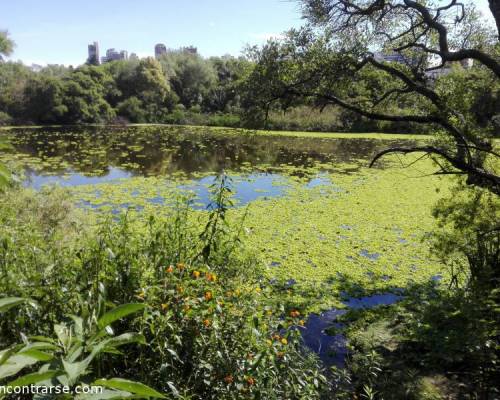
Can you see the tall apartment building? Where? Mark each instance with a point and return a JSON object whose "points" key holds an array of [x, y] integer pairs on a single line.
{"points": [[160, 49], [113, 55], [93, 51]]}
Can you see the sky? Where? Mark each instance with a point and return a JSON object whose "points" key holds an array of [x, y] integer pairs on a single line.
{"points": [[58, 31]]}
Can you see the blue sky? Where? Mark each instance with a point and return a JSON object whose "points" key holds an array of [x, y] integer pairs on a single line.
{"points": [[58, 31]]}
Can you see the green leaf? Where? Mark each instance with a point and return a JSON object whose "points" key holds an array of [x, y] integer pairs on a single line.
{"points": [[106, 395], [74, 370], [8, 302], [35, 377], [19, 361], [130, 386], [118, 313]]}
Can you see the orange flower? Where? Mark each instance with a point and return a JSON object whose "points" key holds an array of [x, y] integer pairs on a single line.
{"points": [[211, 277], [208, 296], [229, 379], [196, 274], [206, 322], [294, 314], [170, 269], [250, 381]]}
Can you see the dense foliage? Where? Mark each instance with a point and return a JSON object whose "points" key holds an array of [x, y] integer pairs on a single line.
{"points": [[199, 324]]}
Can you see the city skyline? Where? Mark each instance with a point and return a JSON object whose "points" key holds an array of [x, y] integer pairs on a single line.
{"points": [[58, 32]]}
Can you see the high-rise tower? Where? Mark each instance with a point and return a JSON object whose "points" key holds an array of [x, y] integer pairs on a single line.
{"points": [[93, 54], [160, 49]]}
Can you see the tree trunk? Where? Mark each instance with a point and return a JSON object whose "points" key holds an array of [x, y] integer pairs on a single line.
{"points": [[495, 10]]}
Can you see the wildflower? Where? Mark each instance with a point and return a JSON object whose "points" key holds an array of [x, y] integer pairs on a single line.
{"points": [[258, 289], [284, 341], [180, 289], [208, 296], [229, 379], [164, 306], [170, 269], [211, 277], [237, 292], [269, 342], [294, 314], [269, 312], [196, 274], [187, 308], [276, 337], [280, 354], [301, 322], [250, 381], [181, 266], [206, 322]]}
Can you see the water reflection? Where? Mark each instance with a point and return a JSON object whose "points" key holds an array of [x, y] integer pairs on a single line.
{"points": [[105, 153]]}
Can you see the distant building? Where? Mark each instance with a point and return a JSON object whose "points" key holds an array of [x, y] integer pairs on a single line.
{"points": [[93, 57], [133, 56], [160, 50], [392, 57], [113, 55], [190, 50], [448, 67]]}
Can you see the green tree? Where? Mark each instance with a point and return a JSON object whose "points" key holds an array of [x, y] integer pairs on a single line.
{"points": [[333, 61], [190, 75], [84, 97], [230, 72], [6, 44], [44, 96]]}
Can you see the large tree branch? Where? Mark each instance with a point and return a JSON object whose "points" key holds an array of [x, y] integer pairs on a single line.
{"points": [[485, 178], [444, 50]]}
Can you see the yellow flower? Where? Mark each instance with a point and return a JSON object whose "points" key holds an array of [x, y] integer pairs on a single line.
{"points": [[141, 294], [164, 306], [181, 266], [196, 274], [301, 322], [269, 342], [237, 292], [269, 312], [180, 289], [170, 269], [284, 341], [208, 296], [258, 290]]}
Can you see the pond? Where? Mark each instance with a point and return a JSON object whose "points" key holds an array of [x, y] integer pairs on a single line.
{"points": [[260, 165]]}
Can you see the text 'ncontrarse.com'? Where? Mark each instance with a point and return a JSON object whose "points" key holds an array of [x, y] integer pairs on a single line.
{"points": [[50, 390]]}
